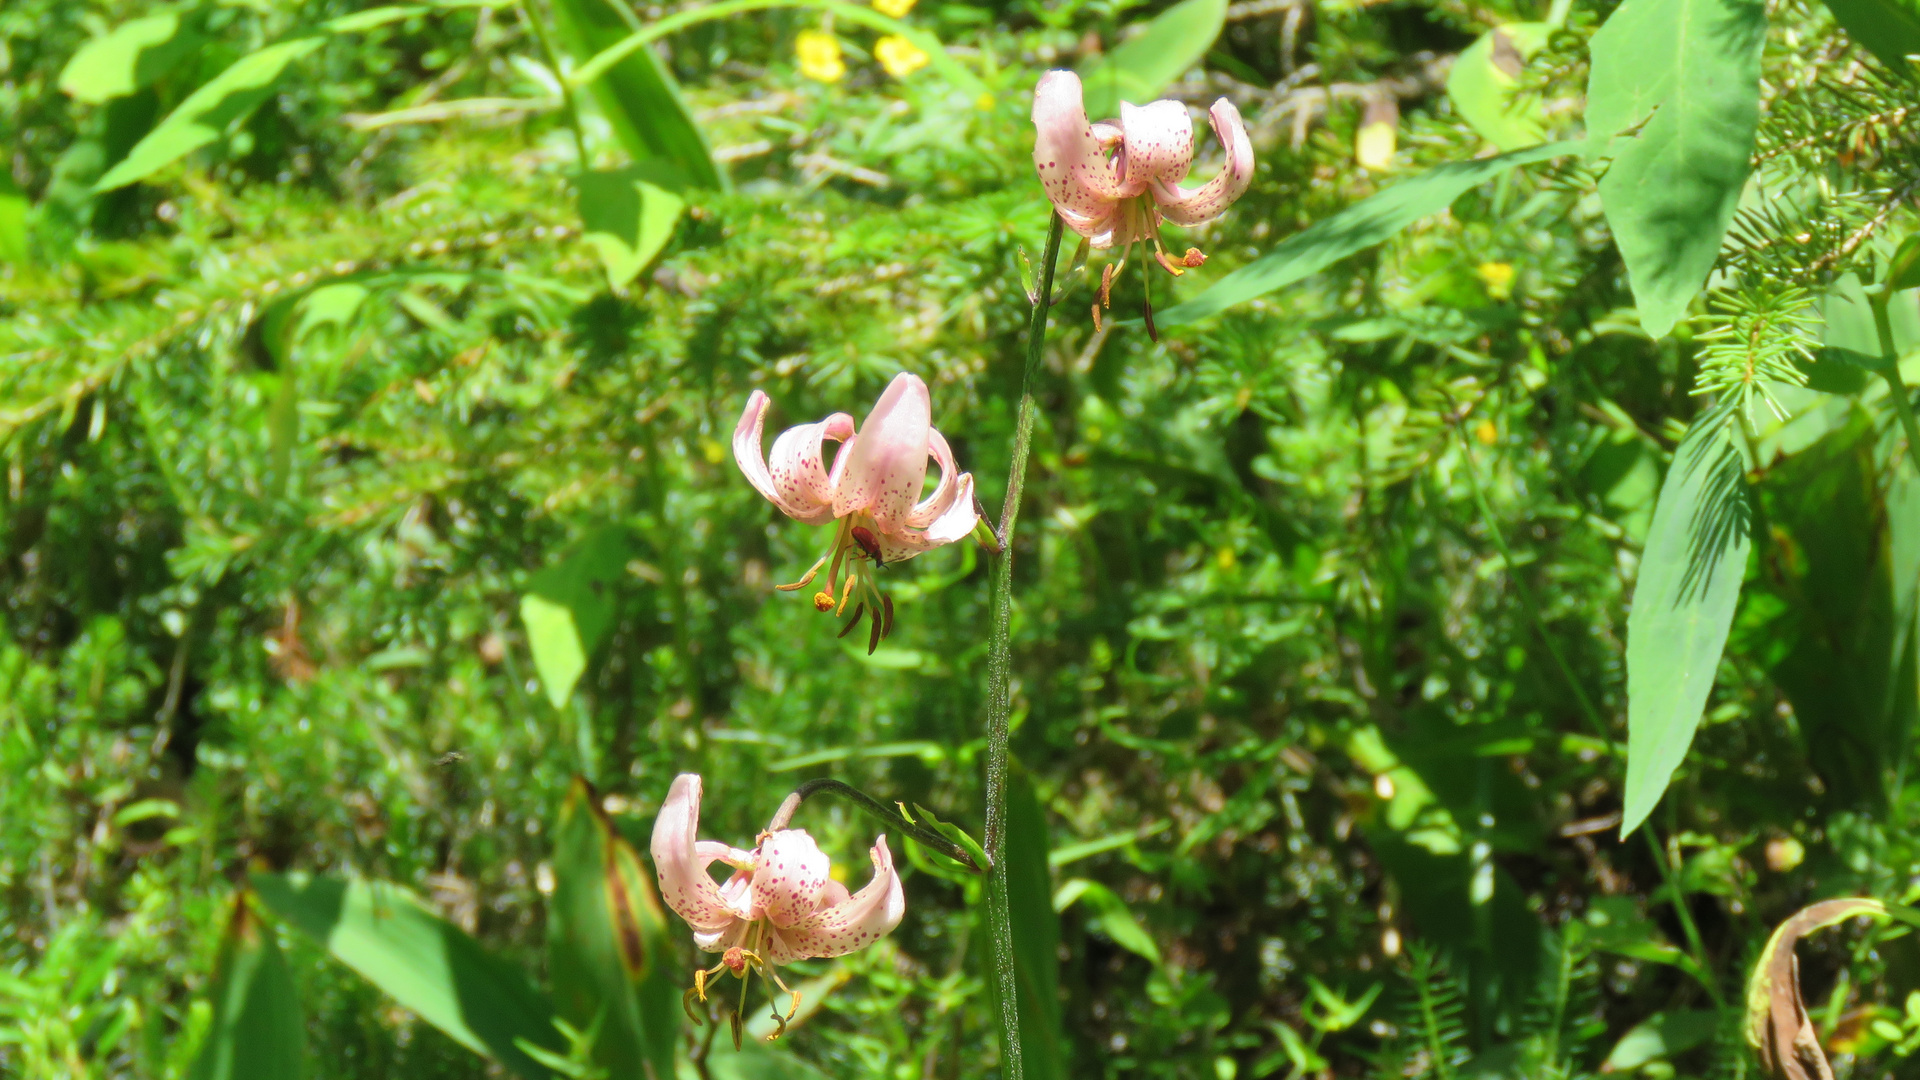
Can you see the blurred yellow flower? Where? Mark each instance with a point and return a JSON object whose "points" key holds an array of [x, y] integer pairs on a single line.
{"points": [[893, 9], [899, 56], [1375, 142], [819, 54], [1498, 277]]}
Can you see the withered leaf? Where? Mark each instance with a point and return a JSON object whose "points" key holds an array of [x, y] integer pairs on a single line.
{"points": [[1777, 1021]]}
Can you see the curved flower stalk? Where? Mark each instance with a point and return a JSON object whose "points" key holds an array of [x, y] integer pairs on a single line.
{"points": [[779, 906], [1115, 181], [872, 492]]}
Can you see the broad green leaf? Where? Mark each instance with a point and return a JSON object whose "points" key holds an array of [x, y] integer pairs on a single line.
{"points": [[1662, 1035], [637, 95], [1482, 81], [208, 112], [608, 953], [1683, 605], [1674, 99], [1110, 915], [422, 961], [626, 219], [127, 58], [257, 1031], [1150, 61], [755, 1060], [1889, 29], [567, 609], [1356, 228], [1036, 932]]}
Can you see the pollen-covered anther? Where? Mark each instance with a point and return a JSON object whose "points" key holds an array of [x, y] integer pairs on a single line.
{"points": [[823, 601], [1173, 266], [736, 960], [1195, 257]]}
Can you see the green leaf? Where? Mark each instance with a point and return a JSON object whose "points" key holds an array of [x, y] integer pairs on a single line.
{"points": [[637, 95], [13, 220], [1903, 269], [127, 58], [1359, 226], [608, 952], [1661, 1035], [1150, 61], [1036, 932], [1481, 84], [1889, 29], [1110, 915], [1683, 605], [257, 1028], [568, 608], [1686, 75], [627, 220], [422, 961], [208, 112]]}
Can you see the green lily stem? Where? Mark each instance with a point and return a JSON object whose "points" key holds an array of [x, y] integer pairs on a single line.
{"points": [[1880, 299], [1000, 678], [1587, 708], [876, 809]]}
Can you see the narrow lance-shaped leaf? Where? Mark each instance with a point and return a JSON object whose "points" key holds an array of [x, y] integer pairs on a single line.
{"points": [[607, 946], [637, 95], [1149, 61], [422, 961], [1674, 98], [1683, 606], [568, 608], [127, 58], [208, 112], [257, 1028], [1356, 228]]}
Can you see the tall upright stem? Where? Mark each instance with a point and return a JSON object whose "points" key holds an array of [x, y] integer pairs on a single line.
{"points": [[1000, 679], [1890, 370]]}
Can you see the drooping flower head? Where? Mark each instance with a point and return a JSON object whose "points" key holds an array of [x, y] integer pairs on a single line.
{"points": [[872, 490], [1114, 182], [780, 905]]}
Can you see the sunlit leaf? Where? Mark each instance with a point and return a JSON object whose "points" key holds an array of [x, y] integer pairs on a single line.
{"points": [[127, 58], [1149, 61], [568, 607], [626, 219], [208, 112], [422, 961], [257, 1028], [1674, 100], [1683, 605], [1482, 80]]}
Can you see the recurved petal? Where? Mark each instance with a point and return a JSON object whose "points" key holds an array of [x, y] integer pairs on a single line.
{"points": [[789, 877], [684, 883], [1159, 142], [799, 472], [936, 503], [1209, 200], [887, 461], [853, 923], [1074, 167]]}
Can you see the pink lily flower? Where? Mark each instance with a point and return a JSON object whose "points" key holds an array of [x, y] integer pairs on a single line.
{"points": [[1114, 182], [872, 490], [779, 906]]}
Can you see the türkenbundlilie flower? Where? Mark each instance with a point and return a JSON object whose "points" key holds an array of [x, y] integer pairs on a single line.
{"points": [[780, 905], [1113, 182], [872, 492]]}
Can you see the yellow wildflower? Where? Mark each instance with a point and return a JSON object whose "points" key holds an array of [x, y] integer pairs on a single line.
{"points": [[899, 56], [1498, 277], [819, 54], [893, 9]]}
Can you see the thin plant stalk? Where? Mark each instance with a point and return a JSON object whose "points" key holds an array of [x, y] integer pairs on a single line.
{"points": [[1000, 680]]}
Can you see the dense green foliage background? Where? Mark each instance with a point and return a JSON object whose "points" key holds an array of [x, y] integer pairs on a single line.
{"points": [[1320, 604]]}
